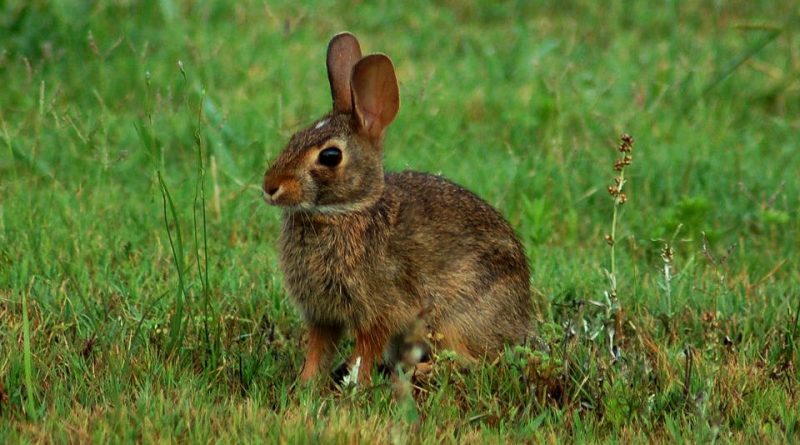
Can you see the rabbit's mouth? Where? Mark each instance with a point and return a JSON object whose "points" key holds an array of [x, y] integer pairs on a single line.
{"points": [[278, 200]]}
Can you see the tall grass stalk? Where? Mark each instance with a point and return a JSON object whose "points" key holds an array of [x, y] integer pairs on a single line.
{"points": [[614, 217], [793, 335], [27, 358], [202, 260], [176, 245], [667, 255], [620, 198], [612, 306]]}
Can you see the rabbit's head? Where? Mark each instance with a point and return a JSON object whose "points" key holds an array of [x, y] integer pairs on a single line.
{"points": [[335, 165]]}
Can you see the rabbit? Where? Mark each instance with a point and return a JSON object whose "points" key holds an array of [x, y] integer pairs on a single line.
{"points": [[372, 253]]}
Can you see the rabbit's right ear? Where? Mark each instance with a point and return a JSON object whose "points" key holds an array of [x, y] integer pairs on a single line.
{"points": [[343, 53], [376, 98]]}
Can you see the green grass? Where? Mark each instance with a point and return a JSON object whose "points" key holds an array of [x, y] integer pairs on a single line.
{"points": [[139, 262]]}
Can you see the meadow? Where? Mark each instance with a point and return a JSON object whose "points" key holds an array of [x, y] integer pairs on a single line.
{"points": [[140, 297]]}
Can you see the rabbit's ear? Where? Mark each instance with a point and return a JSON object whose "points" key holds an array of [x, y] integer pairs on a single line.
{"points": [[343, 53], [375, 95]]}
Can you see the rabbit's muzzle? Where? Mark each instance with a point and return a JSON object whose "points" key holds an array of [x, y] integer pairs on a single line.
{"points": [[282, 190]]}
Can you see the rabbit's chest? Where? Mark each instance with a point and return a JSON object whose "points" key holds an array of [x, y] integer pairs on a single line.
{"points": [[330, 272]]}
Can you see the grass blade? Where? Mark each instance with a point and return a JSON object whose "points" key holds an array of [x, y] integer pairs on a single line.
{"points": [[135, 342], [27, 358], [176, 245], [733, 65], [200, 204]]}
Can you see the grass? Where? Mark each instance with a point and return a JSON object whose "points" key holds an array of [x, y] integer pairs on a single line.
{"points": [[139, 293]]}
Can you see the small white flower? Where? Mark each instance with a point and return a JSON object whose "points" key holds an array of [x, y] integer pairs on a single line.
{"points": [[351, 379]]}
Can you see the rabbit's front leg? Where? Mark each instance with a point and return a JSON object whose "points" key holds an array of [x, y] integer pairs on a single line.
{"points": [[322, 341], [369, 347]]}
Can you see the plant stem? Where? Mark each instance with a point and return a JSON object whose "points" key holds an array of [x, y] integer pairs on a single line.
{"points": [[176, 325], [26, 355], [614, 232]]}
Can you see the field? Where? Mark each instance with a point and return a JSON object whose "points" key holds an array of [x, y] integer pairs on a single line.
{"points": [[140, 297]]}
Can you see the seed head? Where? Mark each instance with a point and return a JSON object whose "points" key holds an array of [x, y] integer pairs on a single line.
{"points": [[627, 143], [667, 253]]}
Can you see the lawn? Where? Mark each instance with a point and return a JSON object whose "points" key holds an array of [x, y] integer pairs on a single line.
{"points": [[140, 296]]}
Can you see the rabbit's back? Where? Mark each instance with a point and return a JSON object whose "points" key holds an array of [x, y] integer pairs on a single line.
{"points": [[470, 267]]}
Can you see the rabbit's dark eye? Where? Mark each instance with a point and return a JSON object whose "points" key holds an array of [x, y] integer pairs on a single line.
{"points": [[330, 157]]}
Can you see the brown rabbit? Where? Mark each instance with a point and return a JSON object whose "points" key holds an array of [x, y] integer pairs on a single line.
{"points": [[371, 252]]}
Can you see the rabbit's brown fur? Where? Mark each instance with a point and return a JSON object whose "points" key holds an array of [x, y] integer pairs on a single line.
{"points": [[371, 253]]}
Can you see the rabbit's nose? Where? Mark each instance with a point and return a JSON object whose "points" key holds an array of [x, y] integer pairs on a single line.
{"points": [[270, 185], [271, 192], [280, 190]]}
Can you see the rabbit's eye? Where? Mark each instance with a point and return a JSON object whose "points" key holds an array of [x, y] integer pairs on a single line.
{"points": [[330, 157]]}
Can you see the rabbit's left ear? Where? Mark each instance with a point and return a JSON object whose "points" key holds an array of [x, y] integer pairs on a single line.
{"points": [[376, 98], [343, 53]]}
